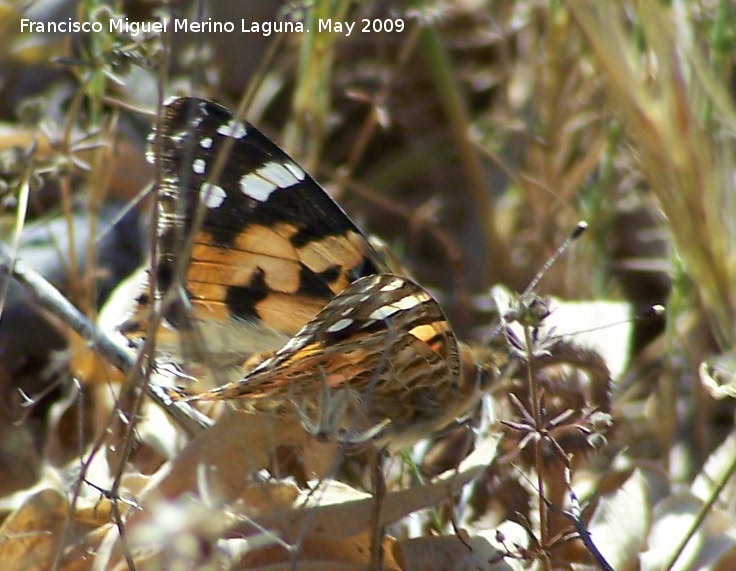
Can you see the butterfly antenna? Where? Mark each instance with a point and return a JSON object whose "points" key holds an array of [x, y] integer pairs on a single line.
{"points": [[652, 312], [581, 227]]}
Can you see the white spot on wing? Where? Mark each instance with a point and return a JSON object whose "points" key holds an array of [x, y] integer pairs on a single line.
{"points": [[383, 312], [256, 187], [233, 128], [212, 195], [419, 298], [296, 170], [294, 344], [392, 285], [206, 142], [278, 174], [402, 304], [339, 325], [198, 166]]}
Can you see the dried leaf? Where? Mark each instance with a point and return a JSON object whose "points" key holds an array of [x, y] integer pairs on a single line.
{"points": [[31, 536], [480, 552], [240, 444], [338, 511]]}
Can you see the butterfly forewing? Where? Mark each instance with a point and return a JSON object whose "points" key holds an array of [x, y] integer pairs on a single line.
{"points": [[271, 247]]}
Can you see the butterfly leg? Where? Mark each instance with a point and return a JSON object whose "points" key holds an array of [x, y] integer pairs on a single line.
{"points": [[331, 410], [355, 435], [328, 410]]}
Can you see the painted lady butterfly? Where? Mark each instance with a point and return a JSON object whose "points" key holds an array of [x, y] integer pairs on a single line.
{"points": [[269, 290]]}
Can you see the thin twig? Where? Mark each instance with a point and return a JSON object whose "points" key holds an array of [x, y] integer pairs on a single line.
{"points": [[534, 395], [48, 297]]}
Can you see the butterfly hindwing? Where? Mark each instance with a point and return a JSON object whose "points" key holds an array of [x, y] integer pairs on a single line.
{"points": [[384, 339], [368, 322]]}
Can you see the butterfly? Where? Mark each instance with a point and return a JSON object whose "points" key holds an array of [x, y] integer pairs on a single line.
{"points": [[268, 288]]}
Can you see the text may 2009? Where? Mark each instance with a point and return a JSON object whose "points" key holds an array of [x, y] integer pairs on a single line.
{"points": [[133, 28]]}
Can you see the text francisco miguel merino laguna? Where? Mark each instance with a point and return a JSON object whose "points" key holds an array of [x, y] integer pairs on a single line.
{"points": [[164, 24]]}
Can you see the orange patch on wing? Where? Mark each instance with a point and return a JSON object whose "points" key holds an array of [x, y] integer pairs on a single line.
{"points": [[282, 276], [267, 241], [207, 292], [347, 251], [321, 254], [424, 332], [288, 313], [238, 268], [219, 273], [433, 336]]}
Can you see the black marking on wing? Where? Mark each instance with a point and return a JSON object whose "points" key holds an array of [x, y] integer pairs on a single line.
{"points": [[242, 300], [315, 285]]}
